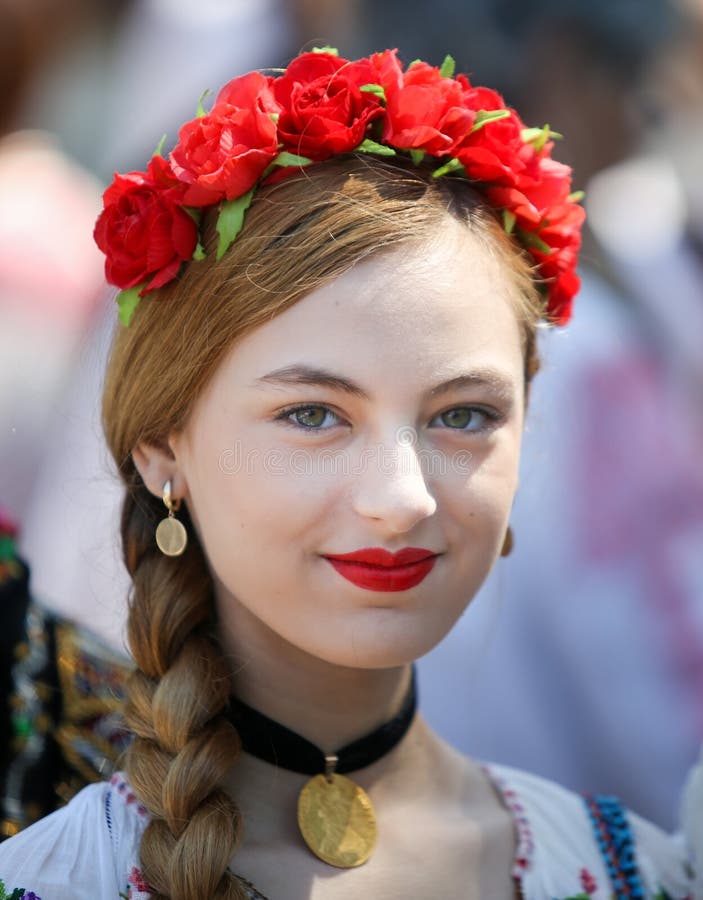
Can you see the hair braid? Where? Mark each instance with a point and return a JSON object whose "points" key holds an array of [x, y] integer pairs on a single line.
{"points": [[183, 745]]}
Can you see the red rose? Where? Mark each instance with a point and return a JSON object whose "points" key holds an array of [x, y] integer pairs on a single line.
{"points": [[221, 155], [324, 112], [379, 68], [495, 152], [480, 97], [560, 297], [384, 69], [427, 112], [247, 91], [537, 195], [142, 230], [561, 232]]}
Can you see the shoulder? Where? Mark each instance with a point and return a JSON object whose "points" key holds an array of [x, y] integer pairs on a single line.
{"points": [[88, 850], [571, 845]]}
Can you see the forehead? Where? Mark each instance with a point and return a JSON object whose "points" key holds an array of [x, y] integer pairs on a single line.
{"points": [[413, 310]]}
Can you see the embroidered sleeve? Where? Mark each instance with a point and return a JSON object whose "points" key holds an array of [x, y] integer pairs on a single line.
{"points": [[571, 848]]}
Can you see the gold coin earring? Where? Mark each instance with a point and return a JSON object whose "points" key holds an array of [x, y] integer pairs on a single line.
{"points": [[171, 535], [508, 543]]}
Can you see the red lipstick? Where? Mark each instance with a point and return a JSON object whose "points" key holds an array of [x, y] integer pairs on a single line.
{"points": [[377, 569]]}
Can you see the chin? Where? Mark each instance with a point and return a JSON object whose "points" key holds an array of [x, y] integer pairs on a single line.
{"points": [[385, 638]]}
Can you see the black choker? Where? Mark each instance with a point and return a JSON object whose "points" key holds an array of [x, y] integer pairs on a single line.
{"points": [[335, 815]]}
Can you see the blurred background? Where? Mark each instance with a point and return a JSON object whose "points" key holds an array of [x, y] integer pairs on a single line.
{"points": [[582, 658]]}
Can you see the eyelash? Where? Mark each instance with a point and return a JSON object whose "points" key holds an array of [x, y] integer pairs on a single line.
{"points": [[284, 416]]}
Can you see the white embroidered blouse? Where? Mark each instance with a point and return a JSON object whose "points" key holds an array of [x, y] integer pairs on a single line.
{"points": [[89, 850]]}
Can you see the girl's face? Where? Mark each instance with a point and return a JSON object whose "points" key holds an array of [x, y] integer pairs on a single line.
{"points": [[384, 410]]}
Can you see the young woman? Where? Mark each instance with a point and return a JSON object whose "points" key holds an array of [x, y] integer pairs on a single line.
{"points": [[318, 425]]}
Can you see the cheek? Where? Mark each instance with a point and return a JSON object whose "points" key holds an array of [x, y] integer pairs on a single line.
{"points": [[483, 496], [248, 497]]}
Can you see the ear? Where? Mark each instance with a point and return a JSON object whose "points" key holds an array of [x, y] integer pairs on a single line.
{"points": [[157, 465]]}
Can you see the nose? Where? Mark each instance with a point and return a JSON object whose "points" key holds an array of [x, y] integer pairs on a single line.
{"points": [[390, 485]]}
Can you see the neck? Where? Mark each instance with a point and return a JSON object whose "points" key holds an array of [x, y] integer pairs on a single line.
{"points": [[329, 705]]}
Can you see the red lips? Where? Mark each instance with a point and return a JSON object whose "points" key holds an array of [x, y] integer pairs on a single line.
{"points": [[377, 569]]}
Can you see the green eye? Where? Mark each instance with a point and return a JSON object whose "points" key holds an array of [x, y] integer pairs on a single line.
{"points": [[310, 416], [470, 419], [457, 418]]}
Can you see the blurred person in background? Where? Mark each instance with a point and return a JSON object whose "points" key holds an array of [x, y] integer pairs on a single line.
{"points": [[58, 690], [50, 275]]}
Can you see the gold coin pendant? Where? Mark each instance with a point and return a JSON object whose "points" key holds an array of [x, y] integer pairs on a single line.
{"points": [[171, 536], [337, 820]]}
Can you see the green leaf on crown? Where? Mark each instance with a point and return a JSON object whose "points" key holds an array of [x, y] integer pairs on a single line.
{"points": [[538, 137], [285, 158], [200, 109], [231, 220], [331, 50], [159, 151], [448, 67], [376, 89], [415, 62], [417, 156], [369, 146], [127, 302], [576, 196], [532, 241], [290, 159], [453, 166], [199, 252], [484, 116], [509, 220]]}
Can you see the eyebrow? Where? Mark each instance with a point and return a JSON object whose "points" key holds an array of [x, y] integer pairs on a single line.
{"points": [[310, 375]]}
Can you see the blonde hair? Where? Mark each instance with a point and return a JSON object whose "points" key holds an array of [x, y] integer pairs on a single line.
{"points": [[299, 234]]}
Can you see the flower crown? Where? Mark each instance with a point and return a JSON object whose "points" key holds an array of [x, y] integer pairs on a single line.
{"points": [[322, 106]]}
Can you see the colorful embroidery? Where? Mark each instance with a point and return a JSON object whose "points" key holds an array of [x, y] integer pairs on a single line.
{"points": [[589, 885], [66, 691], [612, 832], [588, 882], [30, 720], [525, 839], [16, 894], [126, 793], [91, 732], [137, 887]]}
